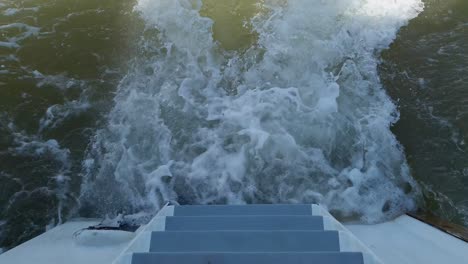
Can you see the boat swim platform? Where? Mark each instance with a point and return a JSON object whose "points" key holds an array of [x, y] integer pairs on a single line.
{"points": [[232, 234]]}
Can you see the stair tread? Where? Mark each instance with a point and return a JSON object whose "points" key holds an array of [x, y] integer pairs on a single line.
{"points": [[262, 222], [244, 241], [262, 209], [249, 258]]}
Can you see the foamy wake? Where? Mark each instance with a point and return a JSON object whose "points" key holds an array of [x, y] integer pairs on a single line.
{"points": [[301, 117]]}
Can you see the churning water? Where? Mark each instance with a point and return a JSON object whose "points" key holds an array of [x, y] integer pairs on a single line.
{"points": [[299, 116], [117, 107]]}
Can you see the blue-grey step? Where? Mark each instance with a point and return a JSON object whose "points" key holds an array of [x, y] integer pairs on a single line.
{"points": [[262, 222], [245, 241], [257, 209], [248, 258]]}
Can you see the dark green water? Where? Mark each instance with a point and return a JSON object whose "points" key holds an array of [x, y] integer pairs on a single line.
{"points": [[62, 62], [54, 88], [426, 71]]}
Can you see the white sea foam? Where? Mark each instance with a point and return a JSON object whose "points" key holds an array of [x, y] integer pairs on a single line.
{"points": [[14, 11], [11, 45], [29, 145], [13, 41], [57, 113], [34, 146], [60, 81], [300, 117]]}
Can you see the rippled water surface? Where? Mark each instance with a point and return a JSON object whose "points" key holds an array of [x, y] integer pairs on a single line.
{"points": [[113, 107], [60, 63], [426, 70]]}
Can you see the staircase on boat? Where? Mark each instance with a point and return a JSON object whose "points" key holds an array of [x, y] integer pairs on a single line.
{"points": [[245, 234]]}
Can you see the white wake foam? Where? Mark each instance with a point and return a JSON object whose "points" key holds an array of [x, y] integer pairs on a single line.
{"points": [[300, 117]]}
